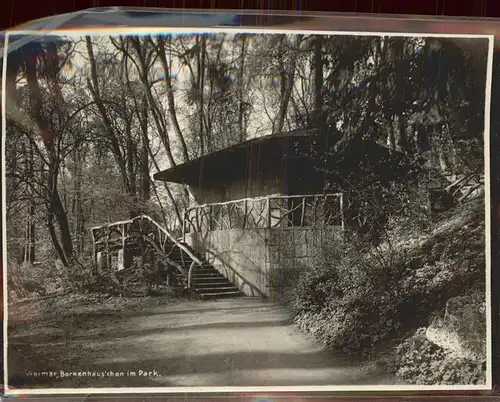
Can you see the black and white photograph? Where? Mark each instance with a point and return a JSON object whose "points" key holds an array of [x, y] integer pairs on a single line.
{"points": [[231, 209]]}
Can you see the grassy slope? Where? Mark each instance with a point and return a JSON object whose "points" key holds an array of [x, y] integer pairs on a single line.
{"points": [[374, 305]]}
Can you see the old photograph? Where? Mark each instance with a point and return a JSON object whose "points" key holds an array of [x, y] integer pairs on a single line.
{"points": [[246, 209]]}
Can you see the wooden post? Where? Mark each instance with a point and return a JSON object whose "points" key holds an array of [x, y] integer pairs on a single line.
{"points": [[184, 218], [303, 211], [124, 249], [99, 269], [269, 212], [108, 256], [315, 212], [94, 251], [141, 247], [169, 276], [245, 212], [123, 238], [190, 276], [163, 242]]}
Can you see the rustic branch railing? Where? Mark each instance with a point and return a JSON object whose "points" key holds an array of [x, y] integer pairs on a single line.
{"points": [[116, 235], [274, 211]]}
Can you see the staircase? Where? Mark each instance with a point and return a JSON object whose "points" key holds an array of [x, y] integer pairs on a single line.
{"points": [[188, 269], [207, 282]]}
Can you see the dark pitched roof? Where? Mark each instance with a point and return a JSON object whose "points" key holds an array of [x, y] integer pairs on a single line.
{"points": [[233, 163], [234, 158]]}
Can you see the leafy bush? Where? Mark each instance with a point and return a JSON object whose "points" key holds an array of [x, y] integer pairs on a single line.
{"points": [[28, 279], [80, 275], [349, 300], [282, 282], [419, 361], [361, 294], [25, 280]]}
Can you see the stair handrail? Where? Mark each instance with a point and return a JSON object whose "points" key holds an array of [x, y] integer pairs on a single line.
{"points": [[171, 237], [195, 260]]}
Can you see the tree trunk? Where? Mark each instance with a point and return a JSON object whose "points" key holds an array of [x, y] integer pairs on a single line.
{"points": [[13, 112], [145, 186], [131, 190], [55, 240], [169, 193], [170, 99], [55, 207], [201, 86], [317, 114], [156, 110], [215, 82], [93, 86], [287, 81], [32, 231], [78, 212], [241, 79], [29, 241]]}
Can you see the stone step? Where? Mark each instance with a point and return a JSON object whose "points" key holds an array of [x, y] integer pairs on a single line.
{"points": [[186, 265], [218, 289], [214, 284], [205, 268], [212, 274], [220, 295], [208, 282], [206, 272], [211, 278]]}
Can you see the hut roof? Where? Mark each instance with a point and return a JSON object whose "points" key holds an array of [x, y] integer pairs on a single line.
{"points": [[233, 162]]}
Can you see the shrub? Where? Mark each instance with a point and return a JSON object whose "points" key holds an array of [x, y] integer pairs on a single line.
{"points": [[282, 282], [349, 299], [80, 275], [361, 294], [419, 361], [28, 279]]}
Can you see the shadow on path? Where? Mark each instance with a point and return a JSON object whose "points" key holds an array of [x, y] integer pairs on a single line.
{"points": [[235, 342]]}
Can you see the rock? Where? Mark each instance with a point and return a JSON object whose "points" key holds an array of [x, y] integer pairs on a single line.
{"points": [[462, 330]]}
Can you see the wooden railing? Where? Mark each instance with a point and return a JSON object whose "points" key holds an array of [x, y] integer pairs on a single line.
{"points": [[113, 236], [274, 211]]}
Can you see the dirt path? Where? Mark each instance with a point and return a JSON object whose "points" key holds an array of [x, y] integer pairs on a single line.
{"points": [[242, 342]]}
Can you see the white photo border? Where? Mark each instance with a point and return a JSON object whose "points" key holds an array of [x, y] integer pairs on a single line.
{"points": [[256, 389]]}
